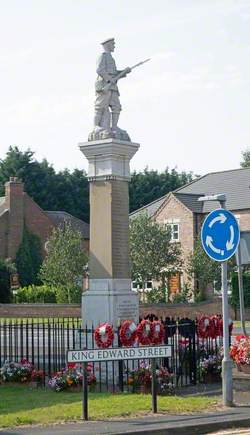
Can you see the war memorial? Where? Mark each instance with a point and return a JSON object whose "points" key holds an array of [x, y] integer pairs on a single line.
{"points": [[109, 151]]}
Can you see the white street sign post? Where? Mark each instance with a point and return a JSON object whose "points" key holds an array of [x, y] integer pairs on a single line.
{"points": [[85, 356], [220, 237]]}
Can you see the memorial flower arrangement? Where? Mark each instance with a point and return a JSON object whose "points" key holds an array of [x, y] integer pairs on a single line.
{"points": [[141, 377], [70, 377], [37, 376], [16, 371], [209, 368], [240, 353]]}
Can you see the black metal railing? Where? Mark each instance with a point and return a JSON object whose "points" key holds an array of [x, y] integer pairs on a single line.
{"points": [[44, 342]]}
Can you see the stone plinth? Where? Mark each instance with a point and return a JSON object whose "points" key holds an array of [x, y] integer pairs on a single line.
{"points": [[109, 297]]}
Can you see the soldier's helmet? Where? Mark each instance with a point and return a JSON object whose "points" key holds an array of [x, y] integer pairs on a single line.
{"points": [[107, 40]]}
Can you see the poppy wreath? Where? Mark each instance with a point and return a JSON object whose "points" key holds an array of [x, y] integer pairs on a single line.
{"points": [[230, 326], [203, 327], [145, 332], [128, 333], [104, 335], [158, 332], [216, 327]]}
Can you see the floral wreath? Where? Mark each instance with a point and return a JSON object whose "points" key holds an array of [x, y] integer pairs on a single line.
{"points": [[216, 329], [128, 333], [104, 335], [203, 325], [145, 332], [158, 332], [230, 326]]}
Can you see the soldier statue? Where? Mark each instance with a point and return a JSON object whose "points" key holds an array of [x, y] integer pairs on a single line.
{"points": [[107, 102]]}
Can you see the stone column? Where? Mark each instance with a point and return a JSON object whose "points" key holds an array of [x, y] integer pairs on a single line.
{"points": [[109, 297]]}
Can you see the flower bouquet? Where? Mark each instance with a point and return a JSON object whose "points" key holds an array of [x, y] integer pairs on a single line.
{"points": [[240, 353], [16, 372], [209, 369], [141, 377], [71, 378]]}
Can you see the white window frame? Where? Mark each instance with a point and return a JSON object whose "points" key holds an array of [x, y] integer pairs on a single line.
{"points": [[170, 223]]}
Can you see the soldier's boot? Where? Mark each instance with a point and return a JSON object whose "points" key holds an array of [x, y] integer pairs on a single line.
{"points": [[115, 118], [98, 120]]}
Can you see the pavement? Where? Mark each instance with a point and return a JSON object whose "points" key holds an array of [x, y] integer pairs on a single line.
{"points": [[203, 423]]}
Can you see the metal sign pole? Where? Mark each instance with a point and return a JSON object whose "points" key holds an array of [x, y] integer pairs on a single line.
{"points": [[220, 235], [241, 291], [227, 378], [153, 386], [85, 392]]}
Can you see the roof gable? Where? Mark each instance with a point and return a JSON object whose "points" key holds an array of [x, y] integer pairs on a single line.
{"points": [[235, 184]]}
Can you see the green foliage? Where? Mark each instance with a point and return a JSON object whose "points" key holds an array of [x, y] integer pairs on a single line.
{"points": [[69, 191], [182, 297], [36, 294], [149, 185], [203, 269], [64, 265], [64, 190], [152, 253], [245, 163], [234, 298], [5, 295], [29, 258], [157, 296]]}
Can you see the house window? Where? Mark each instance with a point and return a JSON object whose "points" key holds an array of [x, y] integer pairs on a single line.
{"points": [[174, 228]]}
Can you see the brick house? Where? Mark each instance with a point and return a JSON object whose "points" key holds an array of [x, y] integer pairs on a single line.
{"points": [[181, 211], [17, 209]]}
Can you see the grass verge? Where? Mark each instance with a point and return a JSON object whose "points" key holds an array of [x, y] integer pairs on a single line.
{"points": [[20, 405]]}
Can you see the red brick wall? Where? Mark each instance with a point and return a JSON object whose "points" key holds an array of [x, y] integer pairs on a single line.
{"points": [[14, 203], [3, 234], [185, 310], [36, 220], [174, 209], [74, 310]]}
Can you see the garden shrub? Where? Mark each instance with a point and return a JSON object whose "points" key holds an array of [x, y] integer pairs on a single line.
{"points": [[234, 298], [5, 295], [36, 294], [29, 259]]}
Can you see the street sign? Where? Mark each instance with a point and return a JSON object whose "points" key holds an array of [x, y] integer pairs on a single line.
{"points": [[244, 248], [220, 235], [118, 354]]}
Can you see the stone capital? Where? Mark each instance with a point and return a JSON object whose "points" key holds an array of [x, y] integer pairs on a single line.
{"points": [[109, 158]]}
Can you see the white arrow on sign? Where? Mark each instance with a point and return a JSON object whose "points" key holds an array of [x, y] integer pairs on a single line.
{"points": [[230, 244], [209, 243], [220, 218]]}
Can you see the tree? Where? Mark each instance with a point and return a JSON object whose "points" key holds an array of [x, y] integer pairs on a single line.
{"points": [[245, 163], [63, 267], [202, 269], [29, 258], [152, 253], [150, 185], [50, 190], [5, 296]]}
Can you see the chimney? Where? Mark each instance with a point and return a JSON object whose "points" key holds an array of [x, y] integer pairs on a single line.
{"points": [[14, 200]]}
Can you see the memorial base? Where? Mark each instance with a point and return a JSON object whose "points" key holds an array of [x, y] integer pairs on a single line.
{"points": [[109, 300]]}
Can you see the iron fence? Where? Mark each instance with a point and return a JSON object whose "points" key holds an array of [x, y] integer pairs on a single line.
{"points": [[44, 342]]}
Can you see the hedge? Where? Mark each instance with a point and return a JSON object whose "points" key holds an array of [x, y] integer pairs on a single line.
{"points": [[234, 299]]}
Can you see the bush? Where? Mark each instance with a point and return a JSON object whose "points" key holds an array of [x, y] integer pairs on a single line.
{"points": [[65, 294], [156, 296], [36, 294], [29, 259], [234, 299], [4, 283]]}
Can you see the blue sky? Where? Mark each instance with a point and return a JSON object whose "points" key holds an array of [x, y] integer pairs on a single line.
{"points": [[188, 107]]}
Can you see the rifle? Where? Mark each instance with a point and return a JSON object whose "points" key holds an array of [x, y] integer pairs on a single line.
{"points": [[122, 74]]}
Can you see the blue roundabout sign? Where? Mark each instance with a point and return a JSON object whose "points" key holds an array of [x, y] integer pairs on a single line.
{"points": [[220, 235]]}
